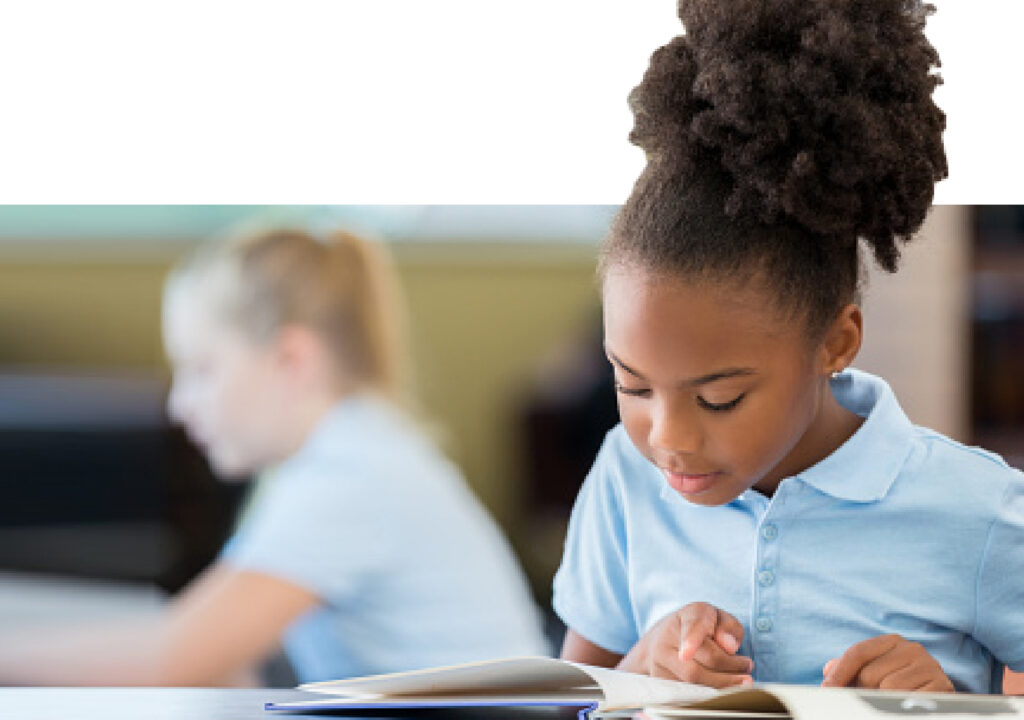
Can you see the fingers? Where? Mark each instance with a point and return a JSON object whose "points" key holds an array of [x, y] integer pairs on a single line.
{"points": [[728, 632], [939, 684], [713, 657], [720, 680], [700, 624], [909, 677], [670, 666], [908, 667], [850, 664], [707, 621], [887, 662], [698, 644]]}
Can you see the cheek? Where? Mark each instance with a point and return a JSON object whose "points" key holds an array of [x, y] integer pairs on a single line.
{"points": [[239, 402], [222, 403], [253, 408], [764, 438], [636, 420]]}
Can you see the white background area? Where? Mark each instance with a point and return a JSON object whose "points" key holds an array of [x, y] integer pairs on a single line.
{"points": [[396, 101]]}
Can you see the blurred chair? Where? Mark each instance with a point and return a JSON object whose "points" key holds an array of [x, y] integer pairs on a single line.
{"points": [[96, 483]]}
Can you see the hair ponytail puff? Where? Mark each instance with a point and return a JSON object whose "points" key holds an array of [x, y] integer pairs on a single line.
{"points": [[819, 111], [779, 134]]}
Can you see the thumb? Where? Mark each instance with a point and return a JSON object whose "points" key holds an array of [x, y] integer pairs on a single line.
{"points": [[829, 667]]}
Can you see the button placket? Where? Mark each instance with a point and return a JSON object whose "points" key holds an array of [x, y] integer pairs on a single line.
{"points": [[765, 591]]}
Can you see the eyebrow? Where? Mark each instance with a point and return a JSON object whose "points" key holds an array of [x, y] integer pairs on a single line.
{"points": [[693, 382]]}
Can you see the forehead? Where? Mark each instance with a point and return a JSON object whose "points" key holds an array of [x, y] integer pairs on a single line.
{"points": [[670, 327], [190, 317]]}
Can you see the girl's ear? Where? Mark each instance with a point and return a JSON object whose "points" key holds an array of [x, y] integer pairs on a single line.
{"points": [[842, 340]]}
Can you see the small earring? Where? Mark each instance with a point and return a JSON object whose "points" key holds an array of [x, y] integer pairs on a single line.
{"points": [[836, 374]]}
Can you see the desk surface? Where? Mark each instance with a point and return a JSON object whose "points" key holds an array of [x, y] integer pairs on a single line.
{"points": [[137, 703], [204, 704]]}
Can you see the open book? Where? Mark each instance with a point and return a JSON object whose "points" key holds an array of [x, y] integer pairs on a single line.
{"points": [[545, 681]]}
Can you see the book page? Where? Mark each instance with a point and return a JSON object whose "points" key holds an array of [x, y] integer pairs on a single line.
{"points": [[809, 702], [512, 677], [622, 690], [806, 702], [516, 678], [434, 701], [698, 713]]}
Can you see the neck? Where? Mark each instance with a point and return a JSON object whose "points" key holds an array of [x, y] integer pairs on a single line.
{"points": [[306, 415], [832, 426]]}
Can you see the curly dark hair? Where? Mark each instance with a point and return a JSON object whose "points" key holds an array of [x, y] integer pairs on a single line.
{"points": [[778, 133]]}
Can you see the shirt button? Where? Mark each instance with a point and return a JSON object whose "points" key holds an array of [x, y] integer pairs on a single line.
{"points": [[769, 532], [763, 624], [766, 577]]}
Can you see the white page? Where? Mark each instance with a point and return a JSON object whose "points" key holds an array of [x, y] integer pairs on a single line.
{"points": [[706, 714], [441, 701], [516, 677], [627, 690], [809, 702], [510, 676]]}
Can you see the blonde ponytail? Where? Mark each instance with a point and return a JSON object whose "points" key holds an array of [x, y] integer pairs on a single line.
{"points": [[366, 268], [340, 286]]}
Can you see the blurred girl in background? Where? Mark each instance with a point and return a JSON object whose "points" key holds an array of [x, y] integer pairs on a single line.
{"points": [[367, 552]]}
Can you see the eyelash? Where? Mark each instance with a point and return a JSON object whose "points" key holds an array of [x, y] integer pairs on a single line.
{"points": [[720, 407], [712, 407], [622, 389]]}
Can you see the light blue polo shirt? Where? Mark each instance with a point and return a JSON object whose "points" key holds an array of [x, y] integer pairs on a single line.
{"points": [[900, 530], [410, 569]]}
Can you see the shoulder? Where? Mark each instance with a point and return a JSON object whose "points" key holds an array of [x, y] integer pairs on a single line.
{"points": [[621, 475], [365, 440], [942, 453], [351, 464], [964, 474], [929, 468], [618, 457]]}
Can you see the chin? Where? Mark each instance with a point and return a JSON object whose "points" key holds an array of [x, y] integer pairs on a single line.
{"points": [[709, 499], [235, 476], [230, 469]]}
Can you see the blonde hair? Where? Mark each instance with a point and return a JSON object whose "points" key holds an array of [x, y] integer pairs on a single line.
{"points": [[338, 285]]}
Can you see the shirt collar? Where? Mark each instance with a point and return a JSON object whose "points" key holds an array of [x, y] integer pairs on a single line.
{"points": [[864, 467], [348, 418]]}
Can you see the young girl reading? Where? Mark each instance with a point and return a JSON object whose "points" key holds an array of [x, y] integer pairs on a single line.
{"points": [[367, 553], [764, 512]]}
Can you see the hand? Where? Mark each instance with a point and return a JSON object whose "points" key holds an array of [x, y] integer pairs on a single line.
{"points": [[887, 662], [696, 644]]}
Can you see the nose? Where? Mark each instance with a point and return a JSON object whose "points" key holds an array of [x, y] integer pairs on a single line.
{"points": [[675, 429]]}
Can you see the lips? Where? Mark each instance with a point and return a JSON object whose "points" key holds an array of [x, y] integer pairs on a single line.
{"points": [[687, 483]]}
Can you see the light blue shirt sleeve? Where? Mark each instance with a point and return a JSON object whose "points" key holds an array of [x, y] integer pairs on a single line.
{"points": [[999, 624], [319, 530], [591, 588]]}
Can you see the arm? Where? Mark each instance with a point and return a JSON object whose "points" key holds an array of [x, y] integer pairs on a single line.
{"points": [[220, 626], [1013, 683], [577, 648]]}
